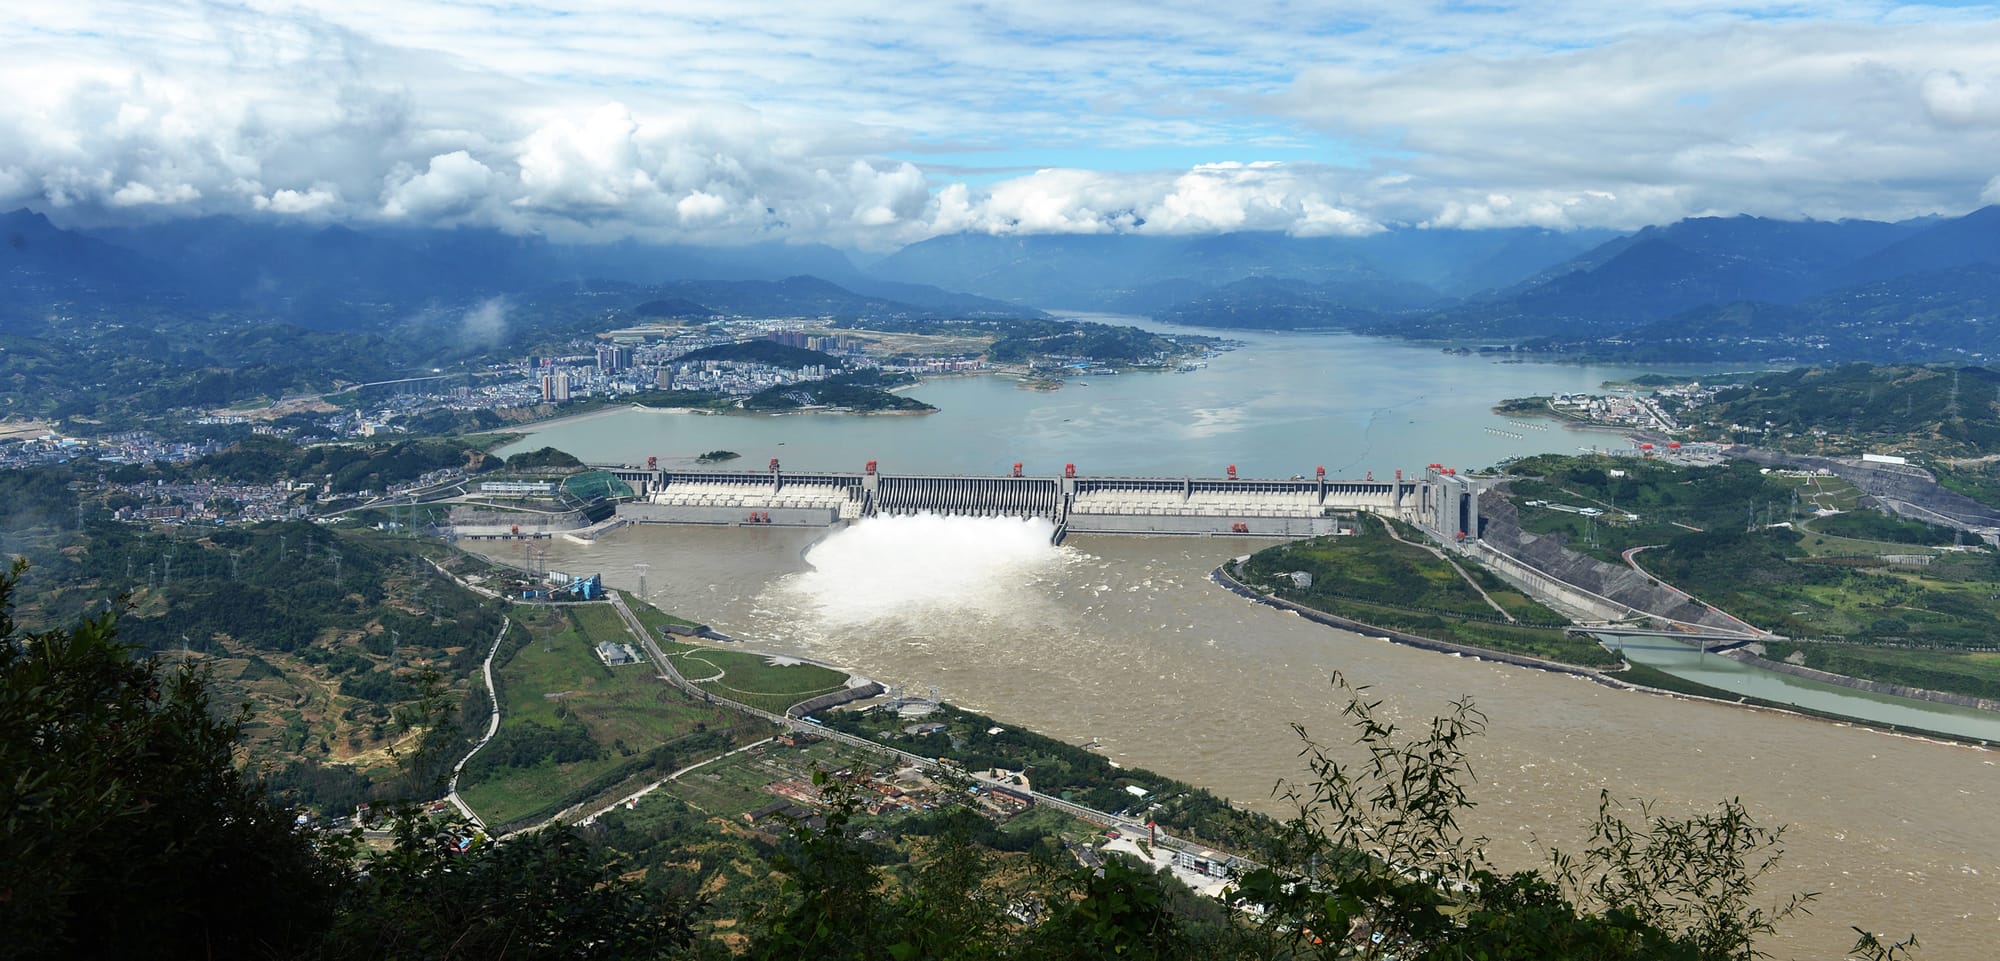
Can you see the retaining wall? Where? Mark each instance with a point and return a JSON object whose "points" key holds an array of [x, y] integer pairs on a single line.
{"points": [[858, 693], [1617, 583], [1862, 684]]}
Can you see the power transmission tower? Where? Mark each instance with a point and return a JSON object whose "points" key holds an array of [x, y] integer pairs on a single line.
{"points": [[642, 568]]}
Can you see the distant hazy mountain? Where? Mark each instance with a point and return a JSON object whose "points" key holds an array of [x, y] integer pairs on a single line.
{"points": [[1390, 270], [335, 276], [1971, 239], [1949, 314], [791, 297], [1745, 286], [1273, 303], [1661, 272], [38, 256]]}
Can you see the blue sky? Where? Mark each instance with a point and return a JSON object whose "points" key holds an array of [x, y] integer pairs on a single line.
{"points": [[874, 124]]}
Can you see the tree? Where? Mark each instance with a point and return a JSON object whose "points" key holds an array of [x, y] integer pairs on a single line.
{"points": [[129, 829], [829, 903], [445, 892], [1375, 865]]}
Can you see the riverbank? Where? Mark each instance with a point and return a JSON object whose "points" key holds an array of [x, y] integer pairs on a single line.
{"points": [[1677, 687], [1224, 579]]}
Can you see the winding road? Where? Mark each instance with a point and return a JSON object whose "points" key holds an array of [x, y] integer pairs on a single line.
{"points": [[492, 728], [1631, 556]]}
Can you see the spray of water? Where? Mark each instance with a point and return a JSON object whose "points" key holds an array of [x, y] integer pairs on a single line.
{"points": [[924, 567]]}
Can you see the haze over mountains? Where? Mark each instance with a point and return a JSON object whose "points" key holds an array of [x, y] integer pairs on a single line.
{"points": [[1696, 289]]}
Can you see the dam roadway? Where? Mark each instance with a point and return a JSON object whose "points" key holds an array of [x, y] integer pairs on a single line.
{"points": [[1074, 503]]}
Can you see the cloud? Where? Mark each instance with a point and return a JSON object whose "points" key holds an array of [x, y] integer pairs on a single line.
{"points": [[136, 194], [485, 325], [1954, 97], [450, 184], [319, 197], [1783, 118], [1210, 198], [866, 123], [701, 207]]}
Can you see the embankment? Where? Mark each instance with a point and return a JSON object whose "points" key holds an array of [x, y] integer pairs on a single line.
{"points": [[1863, 684], [1222, 576], [1627, 591]]}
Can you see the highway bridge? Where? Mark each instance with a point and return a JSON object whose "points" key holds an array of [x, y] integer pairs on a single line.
{"points": [[1075, 503]]}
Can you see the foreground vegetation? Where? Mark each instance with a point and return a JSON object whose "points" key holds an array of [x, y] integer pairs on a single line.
{"points": [[133, 833]]}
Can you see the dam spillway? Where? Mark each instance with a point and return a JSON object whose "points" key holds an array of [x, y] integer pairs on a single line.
{"points": [[1294, 507]]}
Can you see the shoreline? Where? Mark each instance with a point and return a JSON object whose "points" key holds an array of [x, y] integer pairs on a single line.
{"points": [[1221, 578], [528, 427]]}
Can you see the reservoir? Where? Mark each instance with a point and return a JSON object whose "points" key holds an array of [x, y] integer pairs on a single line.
{"points": [[1280, 405], [1124, 639]]}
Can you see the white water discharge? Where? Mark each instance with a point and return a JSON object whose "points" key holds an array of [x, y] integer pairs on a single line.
{"points": [[926, 567]]}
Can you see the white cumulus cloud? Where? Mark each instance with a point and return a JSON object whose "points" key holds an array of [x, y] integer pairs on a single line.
{"points": [[289, 201], [451, 183]]}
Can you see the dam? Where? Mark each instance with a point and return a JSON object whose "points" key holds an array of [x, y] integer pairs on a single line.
{"points": [[1295, 507]]}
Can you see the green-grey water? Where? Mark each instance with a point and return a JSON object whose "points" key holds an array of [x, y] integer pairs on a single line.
{"points": [[1736, 677], [1282, 405]]}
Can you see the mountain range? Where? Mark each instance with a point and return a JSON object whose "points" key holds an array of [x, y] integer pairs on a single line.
{"points": [[1738, 286]]}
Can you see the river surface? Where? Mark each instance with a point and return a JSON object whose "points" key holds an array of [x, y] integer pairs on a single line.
{"points": [[1124, 640], [1281, 405]]}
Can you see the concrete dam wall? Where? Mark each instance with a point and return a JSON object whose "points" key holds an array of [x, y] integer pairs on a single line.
{"points": [[1112, 505]]}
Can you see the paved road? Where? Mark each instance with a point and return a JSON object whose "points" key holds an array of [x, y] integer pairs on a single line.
{"points": [[656, 785], [1488, 598], [492, 728], [1631, 556]]}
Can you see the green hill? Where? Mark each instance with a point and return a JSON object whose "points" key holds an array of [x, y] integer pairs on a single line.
{"points": [[767, 352]]}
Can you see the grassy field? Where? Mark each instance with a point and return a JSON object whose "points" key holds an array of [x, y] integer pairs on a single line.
{"points": [[750, 678], [652, 617], [754, 679], [555, 679]]}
